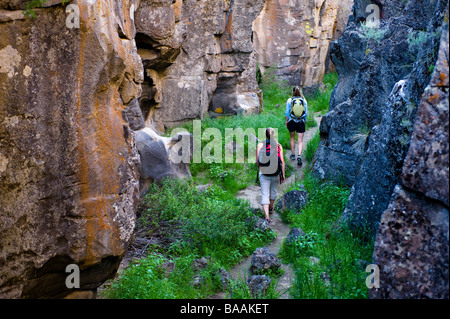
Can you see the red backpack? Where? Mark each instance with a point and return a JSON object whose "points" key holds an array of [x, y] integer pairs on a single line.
{"points": [[264, 160]]}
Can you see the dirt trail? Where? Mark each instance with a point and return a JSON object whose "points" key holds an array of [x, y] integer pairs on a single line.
{"points": [[253, 195]]}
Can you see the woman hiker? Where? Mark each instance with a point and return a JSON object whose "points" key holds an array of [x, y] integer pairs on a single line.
{"points": [[296, 113], [270, 172]]}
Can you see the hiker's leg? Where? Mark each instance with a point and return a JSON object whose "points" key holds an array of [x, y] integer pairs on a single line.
{"points": [[266, 211], [300, 143], [292, 142], [265, 194], [272, 201], [273, 191]]}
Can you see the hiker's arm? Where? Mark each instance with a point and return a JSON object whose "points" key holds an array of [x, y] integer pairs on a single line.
{"points": [[288, 110], [282, 162], [306, 110], [258, 149]]}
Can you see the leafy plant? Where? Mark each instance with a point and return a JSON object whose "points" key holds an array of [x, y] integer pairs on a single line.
{"points": [[303, 245], [320, 102], [372, 32]]}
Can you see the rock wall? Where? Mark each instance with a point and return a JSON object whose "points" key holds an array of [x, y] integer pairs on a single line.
{"points": [[198, 57], [294, 36], [68, 161], [383, 73], [412, 246]]}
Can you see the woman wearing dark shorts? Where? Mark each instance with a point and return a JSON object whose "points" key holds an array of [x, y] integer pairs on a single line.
{"points": [[296, 125]]}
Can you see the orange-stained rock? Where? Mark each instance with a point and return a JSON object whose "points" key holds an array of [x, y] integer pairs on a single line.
{"points": [[68, 161]]}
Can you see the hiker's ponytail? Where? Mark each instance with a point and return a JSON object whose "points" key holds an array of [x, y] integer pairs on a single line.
{"points": [[297, 91], [270, 133]]}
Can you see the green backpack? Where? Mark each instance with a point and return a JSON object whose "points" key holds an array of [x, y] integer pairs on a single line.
{"points": [[297, 107]]}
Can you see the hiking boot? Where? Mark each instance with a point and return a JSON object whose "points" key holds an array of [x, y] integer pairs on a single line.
{"points": [[299, 161], [292, 157]]}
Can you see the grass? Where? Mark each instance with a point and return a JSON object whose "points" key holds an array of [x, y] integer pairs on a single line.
{"points": [[31, 5], [340, 270], [193, 225], [321, 100], [311, 147], [359, 138]]}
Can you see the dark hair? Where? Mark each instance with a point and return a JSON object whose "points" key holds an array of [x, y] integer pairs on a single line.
{"points": [[297, 91], [270, 133]]}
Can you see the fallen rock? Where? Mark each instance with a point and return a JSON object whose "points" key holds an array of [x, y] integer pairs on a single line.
{"points": [[262, 224], [198, 281], [168, 267], [293, 235], [162, 156], [258, 285], [225, 278], [264, 261], [200, 263], [202, 188], [314, 260], [293, 200]]}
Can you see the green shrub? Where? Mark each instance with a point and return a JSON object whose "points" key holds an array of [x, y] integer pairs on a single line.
{"points": [[192, 224], [205, 224]]}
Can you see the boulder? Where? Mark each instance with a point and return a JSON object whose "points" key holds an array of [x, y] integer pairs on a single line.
{"points": [[225, 278], [293, 201], [262, 224], [162, 157], [258, 285], [264, 261], [294, 235], [201, 263]]}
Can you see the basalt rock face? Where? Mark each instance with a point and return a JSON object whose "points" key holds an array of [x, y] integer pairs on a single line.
{"points": [[383, 73], [294, 37], [412, 245], [68, 161], [198, 57]]}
